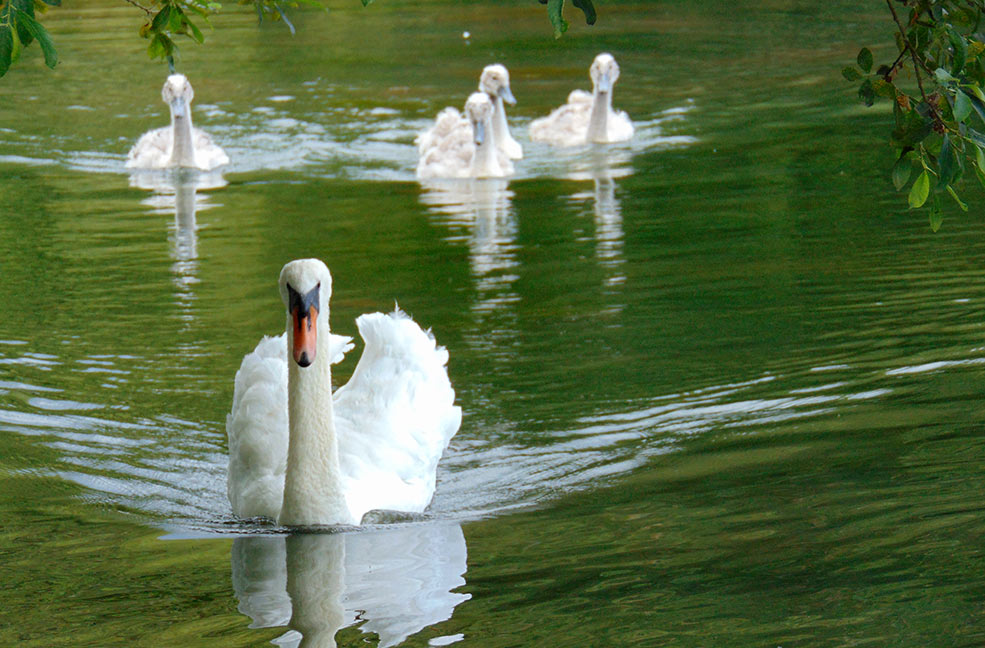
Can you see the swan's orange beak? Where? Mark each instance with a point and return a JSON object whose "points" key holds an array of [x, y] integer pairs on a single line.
{"points": [[305, 334]]}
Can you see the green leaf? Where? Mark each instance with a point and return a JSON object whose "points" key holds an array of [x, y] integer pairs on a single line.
{"points": [[936, 217], [901, 172], [15, 34], [954, 195], [884, 88], [196, 32], [979, 156], [914, 129], [960, 47], [920, 190], [974, 90], [865, 59], [160, 46], [851, 73], [22, 7], [38, 31], [176, 19], [6, 49], [948, 164], [943, 77], [162, 19], [366, 3], [586, 8], [962, 105], [981, 175], [866, 93], [557, 20]]}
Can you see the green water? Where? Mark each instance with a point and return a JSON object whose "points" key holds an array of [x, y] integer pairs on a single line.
{"points": [[720, 387]]}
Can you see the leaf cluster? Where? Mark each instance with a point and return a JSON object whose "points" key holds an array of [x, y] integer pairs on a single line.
{"points": [[939, 128], [554, 8], [19, 27]]}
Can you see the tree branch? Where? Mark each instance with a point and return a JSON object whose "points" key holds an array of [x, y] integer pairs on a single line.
{"points": [[917, 61], [140, 6]]}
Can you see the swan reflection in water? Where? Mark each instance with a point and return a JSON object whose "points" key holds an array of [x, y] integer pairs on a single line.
{"points": [[603, 166], [392, 582], [481, 213], [177, 191]]}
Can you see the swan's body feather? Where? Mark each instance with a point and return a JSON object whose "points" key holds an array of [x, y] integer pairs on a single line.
{"points": [[393, 420], [587, 116], [154, 150]]}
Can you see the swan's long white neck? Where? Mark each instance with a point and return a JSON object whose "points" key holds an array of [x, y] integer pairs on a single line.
{"points": [[598, 121], [312, 485], [182, 148], [484, 162], [500, 129]]}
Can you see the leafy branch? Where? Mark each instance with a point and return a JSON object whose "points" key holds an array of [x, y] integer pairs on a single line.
{"points": [[560, 25], [939, 128], [19, 27]]}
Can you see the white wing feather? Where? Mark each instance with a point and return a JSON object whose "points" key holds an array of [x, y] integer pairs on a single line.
{"points": [[395, 416]]}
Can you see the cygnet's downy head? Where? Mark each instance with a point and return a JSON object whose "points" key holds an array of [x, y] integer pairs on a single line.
{"points": [[479, 110], [604, 72], [178, 94], [495, 81], [305, 288]]}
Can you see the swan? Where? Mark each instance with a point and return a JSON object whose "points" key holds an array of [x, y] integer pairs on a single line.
{"points": [[180, 144], [587, 118], [495, 82], [468, 153], [303, 456]]}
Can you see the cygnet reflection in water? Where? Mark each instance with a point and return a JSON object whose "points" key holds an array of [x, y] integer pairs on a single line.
{"points": [[392, 582]]}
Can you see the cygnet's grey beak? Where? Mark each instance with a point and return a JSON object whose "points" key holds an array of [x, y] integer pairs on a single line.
{"points": [[179, 107], [605, 81], [478, 133], [507, 95]]}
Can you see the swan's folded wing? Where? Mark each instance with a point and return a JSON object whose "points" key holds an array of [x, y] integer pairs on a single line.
{"points": [[152, 150], [208, 154], [257, 431], [395, 416], [567, 124], [257, 427]]}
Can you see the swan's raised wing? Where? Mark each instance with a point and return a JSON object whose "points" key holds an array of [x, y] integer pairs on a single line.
{"points": [[395, 416], [257, 427]]}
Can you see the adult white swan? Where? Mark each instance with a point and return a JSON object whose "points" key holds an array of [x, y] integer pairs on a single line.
{"points": [[180, 144], [587, 117], [495, 82], [302, 456], [468, 153]]}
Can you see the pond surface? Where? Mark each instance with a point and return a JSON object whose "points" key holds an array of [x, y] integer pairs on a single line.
{"points": [[720, 387]]}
